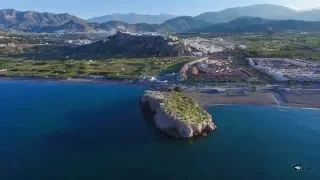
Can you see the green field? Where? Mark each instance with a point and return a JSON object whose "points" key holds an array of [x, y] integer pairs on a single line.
{"points": [[282, 45], [113, 69]]}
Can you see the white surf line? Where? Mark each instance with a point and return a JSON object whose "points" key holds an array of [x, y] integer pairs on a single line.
{"points": [[298, 107], [278, 103], [219, 104]]}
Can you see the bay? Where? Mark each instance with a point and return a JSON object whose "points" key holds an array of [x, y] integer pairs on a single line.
{"points": [[66, 131]]}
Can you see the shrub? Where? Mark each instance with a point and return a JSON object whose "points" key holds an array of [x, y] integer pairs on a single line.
{"points": [[178, 89]]}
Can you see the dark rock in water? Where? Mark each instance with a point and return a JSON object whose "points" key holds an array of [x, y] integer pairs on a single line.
{"points": [[146, 109]]}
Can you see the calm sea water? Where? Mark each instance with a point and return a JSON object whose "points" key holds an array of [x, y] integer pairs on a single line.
{"points": [[51, 130]]}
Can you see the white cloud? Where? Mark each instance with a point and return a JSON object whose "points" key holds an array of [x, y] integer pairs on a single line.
{"points": [[303, 4]]}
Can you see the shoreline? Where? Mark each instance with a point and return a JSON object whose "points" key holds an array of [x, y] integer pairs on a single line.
{"points": [[204, 99], [76, 81]]}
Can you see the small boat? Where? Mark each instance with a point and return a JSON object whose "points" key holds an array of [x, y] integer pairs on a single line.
{"points": [[298, 167]]}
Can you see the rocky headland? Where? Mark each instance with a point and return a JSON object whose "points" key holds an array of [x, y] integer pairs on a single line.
{"points": [[177, 115]]}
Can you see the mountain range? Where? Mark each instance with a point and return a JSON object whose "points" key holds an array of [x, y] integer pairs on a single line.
{"points": [[259, 25], [31, 21], [265, 11], [133, 18], [253, 18]]}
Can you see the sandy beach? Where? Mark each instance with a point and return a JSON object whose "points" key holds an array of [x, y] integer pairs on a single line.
{"points": [[310, 99], [206, 99], [258, 98]]}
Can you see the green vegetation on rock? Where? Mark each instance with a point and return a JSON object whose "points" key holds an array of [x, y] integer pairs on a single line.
{"points": [[185, 108]]}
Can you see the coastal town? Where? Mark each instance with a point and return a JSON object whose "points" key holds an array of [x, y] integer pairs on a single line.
{"points": [[206, 65]]}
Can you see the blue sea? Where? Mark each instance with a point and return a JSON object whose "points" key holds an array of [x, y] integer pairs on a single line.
{"points": [[72, 131]]}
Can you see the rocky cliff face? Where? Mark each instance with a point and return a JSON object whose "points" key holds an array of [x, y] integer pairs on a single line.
{"points": [[172, 123]]}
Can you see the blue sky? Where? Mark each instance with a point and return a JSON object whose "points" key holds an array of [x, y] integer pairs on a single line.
{"points": [[91, 8]]}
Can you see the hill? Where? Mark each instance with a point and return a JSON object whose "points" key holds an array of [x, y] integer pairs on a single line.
{"points": [[122, 26], [129, 45], [254, 25], [184, 24], [71, 26], [30, 21], [133, 18], [265, 11], [311, 15]]}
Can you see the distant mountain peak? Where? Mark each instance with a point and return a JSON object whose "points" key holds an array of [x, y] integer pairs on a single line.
{"points": [[265, 11]]}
